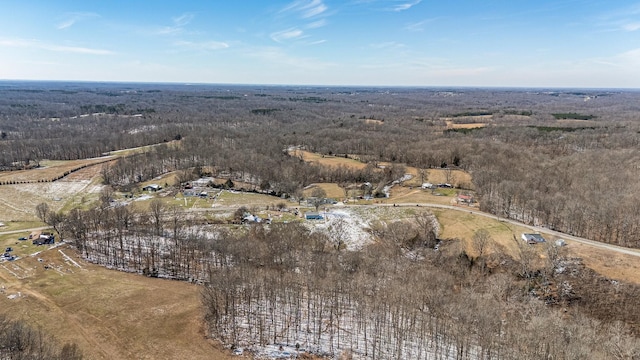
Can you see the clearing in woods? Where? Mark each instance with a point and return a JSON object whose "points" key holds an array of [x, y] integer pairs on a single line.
{"points": [[328, 160], [333, 190], [111, 315]]}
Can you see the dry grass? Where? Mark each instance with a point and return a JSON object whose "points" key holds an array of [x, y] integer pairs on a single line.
{"points": [[400, 195], [612, 265], [333, 190], [327, 160], [20, 201], [51, 170], [440, 176], [576, 122], [455, 224], [452, 125], [142, 149], [111, 315]]}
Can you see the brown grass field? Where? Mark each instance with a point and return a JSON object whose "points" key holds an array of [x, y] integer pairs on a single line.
{"points": [[439, 176], [455, 224], [333, 190], [111, 315], [327, 160], [452, 125], [49, 170]]}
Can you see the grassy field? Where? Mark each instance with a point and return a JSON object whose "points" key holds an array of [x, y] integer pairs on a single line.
{"points": [[452, 125], [333, 190], [111, 315], [49, 170], [327, 160], [440, 176], [456, 224]]}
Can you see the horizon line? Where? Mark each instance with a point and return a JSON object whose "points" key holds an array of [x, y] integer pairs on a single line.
{"points": [[188, 83]]}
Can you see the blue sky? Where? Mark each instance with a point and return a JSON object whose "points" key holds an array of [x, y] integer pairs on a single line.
{"points": [[516, 43]]}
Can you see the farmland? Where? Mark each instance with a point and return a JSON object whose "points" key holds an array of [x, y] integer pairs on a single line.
{"points": [[146, 271]]}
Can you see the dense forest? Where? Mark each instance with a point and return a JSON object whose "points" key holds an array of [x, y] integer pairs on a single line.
{"points": [[563, 159]]}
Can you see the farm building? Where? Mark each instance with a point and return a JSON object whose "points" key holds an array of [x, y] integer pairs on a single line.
{"points": [[533, 238], [313, 216], [465, 199], [44, 238], [152, 187]]}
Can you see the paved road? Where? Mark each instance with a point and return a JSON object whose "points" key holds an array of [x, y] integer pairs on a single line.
{"points": [[619, 249]]}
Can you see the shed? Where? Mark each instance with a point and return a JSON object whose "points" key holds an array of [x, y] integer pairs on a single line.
{"points": [[313, 216]]}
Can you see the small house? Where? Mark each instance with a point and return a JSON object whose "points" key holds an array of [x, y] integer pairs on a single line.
{"points": [[45, 238], [152, 187], [533, 238], [465, 199]]}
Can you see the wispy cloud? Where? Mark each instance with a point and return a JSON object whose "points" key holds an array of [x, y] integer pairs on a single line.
{"points": [[312, 14], [204, 45], [387, 45], [405, 5], [288, 34], [183, 19], [621, 19], [35, 44], [306, 8], [418, 26], [72, 18], [316, 24], [177, 26], [628, 60]]}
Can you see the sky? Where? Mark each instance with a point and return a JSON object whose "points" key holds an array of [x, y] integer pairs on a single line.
{"points": [[476, 43]]}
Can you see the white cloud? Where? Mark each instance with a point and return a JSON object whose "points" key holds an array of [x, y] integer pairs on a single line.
{"points": [[317, 24], [306, 8], [288, 34], [631, 26], [317, 42], [418, 26], [405, 6], [179, 22], [183, 19], [35, 44], [205, 45], [387, 45], [72, 18]]}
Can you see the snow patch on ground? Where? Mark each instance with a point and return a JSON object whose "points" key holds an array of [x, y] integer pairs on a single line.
{"points": [[344, 225]]}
